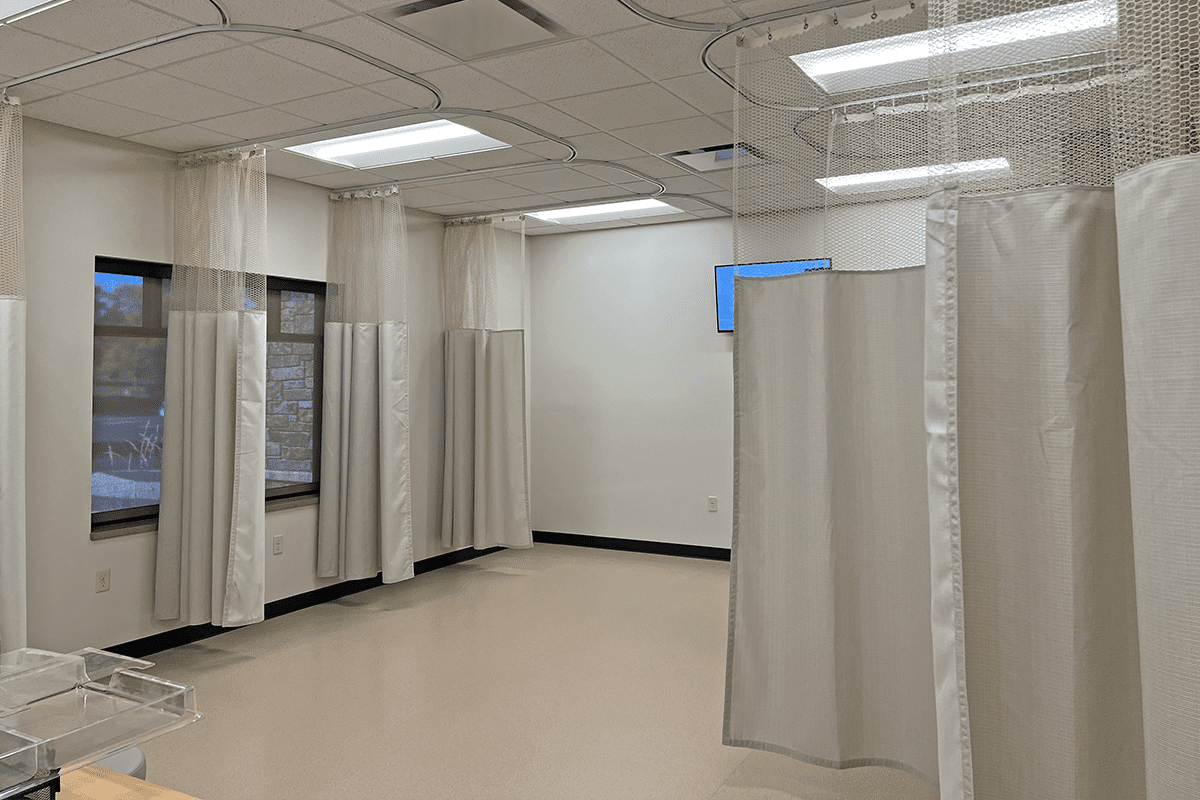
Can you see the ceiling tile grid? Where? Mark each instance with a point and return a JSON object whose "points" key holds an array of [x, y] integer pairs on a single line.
{"points": [[625, 91]]}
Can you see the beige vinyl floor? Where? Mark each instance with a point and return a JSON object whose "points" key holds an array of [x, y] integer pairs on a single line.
{"points": [[556, 673]]}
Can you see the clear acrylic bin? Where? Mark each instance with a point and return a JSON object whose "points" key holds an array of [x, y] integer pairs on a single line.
{"points": [[62, 711]]}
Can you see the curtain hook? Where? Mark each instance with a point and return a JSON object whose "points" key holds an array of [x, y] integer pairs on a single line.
{"points": [[874, 13], [835, 19], [806, 23]]}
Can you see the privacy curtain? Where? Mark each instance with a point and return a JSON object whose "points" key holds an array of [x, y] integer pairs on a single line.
{"points": [[366, 498], [829, 649], [485, 499], [12, 383], [210, 562], [1036, 641]]}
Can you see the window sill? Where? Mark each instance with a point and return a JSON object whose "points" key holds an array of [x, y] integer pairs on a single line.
{"points": [[115, 530]]}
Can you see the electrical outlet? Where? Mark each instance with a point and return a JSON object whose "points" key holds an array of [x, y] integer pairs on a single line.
{"points": [[103, 578], [277, 545], [712, 503]]}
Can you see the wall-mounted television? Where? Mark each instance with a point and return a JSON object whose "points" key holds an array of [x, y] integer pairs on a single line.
{"points": [[767, 269]]}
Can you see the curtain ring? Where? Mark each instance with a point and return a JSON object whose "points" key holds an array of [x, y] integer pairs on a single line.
{"points": [[835, 19], [806, 23], [874, 13]]}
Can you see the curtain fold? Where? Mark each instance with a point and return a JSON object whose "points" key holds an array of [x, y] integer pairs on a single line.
{"points": [[485, 495], [365, 516], [1159, 240], [211, 554], [12, 383], [829, 642]]}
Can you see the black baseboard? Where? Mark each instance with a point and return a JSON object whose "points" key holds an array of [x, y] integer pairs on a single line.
{"points": [[633, 545], [140, 648]]}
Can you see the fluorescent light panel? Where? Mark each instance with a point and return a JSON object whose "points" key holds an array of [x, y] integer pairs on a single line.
{"points": [[14, 10], [436, 139], [606, 211], [915, 177], [1046, 33]]}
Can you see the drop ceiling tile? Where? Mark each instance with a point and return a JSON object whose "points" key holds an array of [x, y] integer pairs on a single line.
{"points": [[659, 219], [404, 91], [722, 179], [344, 104], [722, 16], [463, 87], [550, 151], [246, 37], [384, 42], [656, 51], [755, 8], [292, 165], [550, 181], [583, 195], [346, 179], [90, 75], [23, 53], [365, 5], [76, 111], [100, 25], [481, 189], [422, 197], [497, 158], [166, 96], [197, 12], [265, 123], [550, 119], [588, 17], [724, 54], [527, 201], [670, 137], [326, 59], [179, 50], [182, 138], [692, 184], [704, 91], [561, 70], [418, 169], [255, 75], [284, 13], [603, 147], [625, 107], [460, 209], [678, 8], [720, 198], [656, 167], [725, 118]]}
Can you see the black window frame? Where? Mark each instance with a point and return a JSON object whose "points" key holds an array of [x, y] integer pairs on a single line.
{"points": [[139, 518]]}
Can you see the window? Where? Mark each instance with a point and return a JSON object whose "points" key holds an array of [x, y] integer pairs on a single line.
{"points": [[129, 378]]}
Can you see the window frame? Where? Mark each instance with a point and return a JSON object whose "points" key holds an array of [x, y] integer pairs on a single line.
{"points": [[138, 519]]}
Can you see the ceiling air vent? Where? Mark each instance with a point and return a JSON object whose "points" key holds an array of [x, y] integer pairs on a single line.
{"points": [[711, 159], [471, 29]]}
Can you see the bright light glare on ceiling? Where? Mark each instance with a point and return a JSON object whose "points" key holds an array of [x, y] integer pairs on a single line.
{"points": [[425, 140], [14, 10], [606, 211], [1054, 32], [915, 177]]}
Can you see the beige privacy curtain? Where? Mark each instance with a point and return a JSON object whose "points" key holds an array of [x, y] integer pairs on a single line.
{"points": [[366, 498], [829, 648], [1035, 623], [211, 537], [12, 383], [485, 500]]}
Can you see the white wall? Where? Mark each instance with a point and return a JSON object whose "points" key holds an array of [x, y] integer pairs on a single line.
{"points": [[87, 195], [632, 387]]}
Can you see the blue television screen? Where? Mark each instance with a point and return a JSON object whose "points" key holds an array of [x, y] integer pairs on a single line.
{"points": [[769, 269]]}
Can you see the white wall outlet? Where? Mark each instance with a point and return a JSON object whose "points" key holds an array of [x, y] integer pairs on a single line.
{"points": [[103, 578], [712, 503], [277, 545]]}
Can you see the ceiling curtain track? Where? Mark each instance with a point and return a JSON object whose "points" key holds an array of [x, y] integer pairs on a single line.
{"points": [[12, 383], [365, 514], [485, 493], [211, 554]]}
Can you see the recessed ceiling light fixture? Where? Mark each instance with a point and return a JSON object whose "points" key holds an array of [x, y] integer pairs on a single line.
{"points": [[14, 10], [606, 211], [1046, 33], [425, 140], [915, 177]]}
